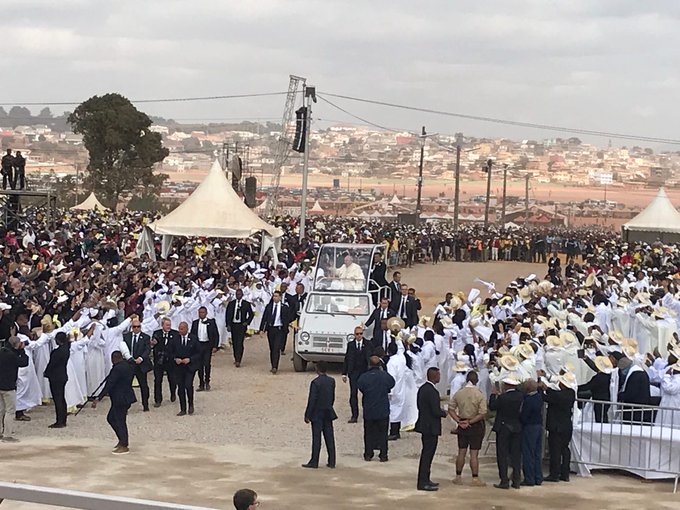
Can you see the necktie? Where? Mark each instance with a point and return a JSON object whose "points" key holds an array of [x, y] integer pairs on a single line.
{"points": [[402, 307], [184, 341], [359, 346], [165, 338], [134, 343], [386, 340], [238, 311], [274, 310]]}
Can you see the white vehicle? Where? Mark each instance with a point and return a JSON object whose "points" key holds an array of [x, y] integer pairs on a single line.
{"points": [[341, 298]]}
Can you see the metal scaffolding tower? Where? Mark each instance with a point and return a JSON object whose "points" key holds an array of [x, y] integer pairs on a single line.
{"points": [[285, 142]]}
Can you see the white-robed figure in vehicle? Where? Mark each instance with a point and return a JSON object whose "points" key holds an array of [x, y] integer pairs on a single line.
{"points": [[351, 274], [670, 397], [403, 397]]}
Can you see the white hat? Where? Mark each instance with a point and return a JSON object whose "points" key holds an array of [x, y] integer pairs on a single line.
{"points": [[5, 306]]}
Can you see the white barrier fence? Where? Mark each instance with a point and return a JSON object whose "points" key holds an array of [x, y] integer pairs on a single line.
{"points": [[640, 439], [81, 500]]}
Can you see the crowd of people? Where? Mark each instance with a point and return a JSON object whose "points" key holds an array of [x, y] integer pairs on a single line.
{"points": [[78, 304]]}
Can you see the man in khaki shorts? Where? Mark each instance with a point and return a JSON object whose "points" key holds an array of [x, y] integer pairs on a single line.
{"points": [[468, 410]]}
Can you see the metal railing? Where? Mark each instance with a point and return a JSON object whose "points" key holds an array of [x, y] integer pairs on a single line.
{"points": [[82, 500], [641, 439]]}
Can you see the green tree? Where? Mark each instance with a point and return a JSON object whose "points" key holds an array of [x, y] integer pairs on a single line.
{"points": [[122, 149]]}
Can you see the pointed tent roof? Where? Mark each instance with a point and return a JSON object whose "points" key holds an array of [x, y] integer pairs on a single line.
{"points": [[317, 208], [658, 216], [213, 210], [395, 200], [90, 204]]}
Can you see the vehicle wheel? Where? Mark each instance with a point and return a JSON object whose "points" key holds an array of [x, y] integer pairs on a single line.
{"points": [[299, 364]]}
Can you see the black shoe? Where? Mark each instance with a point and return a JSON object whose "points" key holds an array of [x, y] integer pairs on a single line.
{"points": [[331, 466], [207, 387], [393, 438], [515, 485], [157, 404], [237, 364], [501, 485], [352, 420], [428, 488], [182, 413], [311, 466], [433, 484], [368, 458], [384, 459], [564, 478], [201, 388], [527, 484], [283, 353], [173, 398], [551, 479], [56, 426], [146, 409], [191, 409]]}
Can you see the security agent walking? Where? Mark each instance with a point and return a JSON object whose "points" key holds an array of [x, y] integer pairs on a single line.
{"points": [[508, 429], [55, 372], [355, 364], [429, 425], [12, 358], [238, 317], [162, 362], [375, 386], [119, 389], [275, 321], [205, 330], [139, 345], [558, 422], [320, 414], [184, 352]]}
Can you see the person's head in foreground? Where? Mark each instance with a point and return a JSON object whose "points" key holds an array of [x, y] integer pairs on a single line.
{"points": [[245, 499]]}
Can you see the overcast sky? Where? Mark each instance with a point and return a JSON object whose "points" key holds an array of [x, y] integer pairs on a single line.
{"points": [[609, 65]]}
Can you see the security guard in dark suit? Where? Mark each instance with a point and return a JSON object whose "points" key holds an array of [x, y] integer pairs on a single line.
{"points": [[429, 425], [320, 414], [139, 345], [508, 429]]}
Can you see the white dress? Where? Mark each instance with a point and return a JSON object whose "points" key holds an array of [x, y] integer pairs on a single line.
{"points": [[403, 396], [670, 397], [29, 393], [76, 385], [95, 362]]}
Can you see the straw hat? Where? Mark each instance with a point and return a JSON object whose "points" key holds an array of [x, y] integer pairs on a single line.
{"points": [[460, 366], [567, 379], [525, 294], [525, 350], [590, 280], [631, 342], [629, 351], [568, 337], [554, 341], [163, 307], [456, 303], [510, 379], [674, 350], [617, 336], [643, 298], [47, 324], [425, 321], [509, 362], [604, 364]]}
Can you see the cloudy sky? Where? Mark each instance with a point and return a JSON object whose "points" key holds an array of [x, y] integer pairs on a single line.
{"points": [[610, 65]]}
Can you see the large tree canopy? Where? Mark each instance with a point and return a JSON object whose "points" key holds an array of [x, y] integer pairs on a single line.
{"points": [[122, 148]]}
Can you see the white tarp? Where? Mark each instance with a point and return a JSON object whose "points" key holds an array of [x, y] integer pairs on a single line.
{"points": [[145, 244], [658, 216], [90, 204], [213, 210]]}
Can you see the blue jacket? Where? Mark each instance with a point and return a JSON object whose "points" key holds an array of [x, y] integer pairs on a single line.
{"points": [[375, 386], [532, 409]]}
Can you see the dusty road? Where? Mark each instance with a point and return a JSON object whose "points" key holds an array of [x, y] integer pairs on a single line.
{"points": [[248, 432]]}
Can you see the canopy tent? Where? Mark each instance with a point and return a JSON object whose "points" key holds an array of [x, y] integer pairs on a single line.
{"points": [[659, 220], [213, 210], [317, 209], [90, 204]]}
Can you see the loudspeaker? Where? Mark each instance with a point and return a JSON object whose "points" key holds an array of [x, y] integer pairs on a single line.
{"points": [[251, 191], [300, 139]]}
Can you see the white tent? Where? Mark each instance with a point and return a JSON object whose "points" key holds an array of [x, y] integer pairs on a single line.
{"points": [[317, 209], [213, 210], [395, 200], [659, 220], [90, 204]]}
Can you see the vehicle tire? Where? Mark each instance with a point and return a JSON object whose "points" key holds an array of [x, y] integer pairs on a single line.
{"points": [[299, 364]]}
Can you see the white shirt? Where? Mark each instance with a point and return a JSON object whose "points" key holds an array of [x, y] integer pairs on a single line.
{"points": [[277, 314], [237, 312], [202, 331], [402, 307], [383, 313]]}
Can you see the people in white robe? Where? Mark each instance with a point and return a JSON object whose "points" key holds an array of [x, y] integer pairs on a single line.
{"points": [[403, 396], [670, 398], [350, 274]]}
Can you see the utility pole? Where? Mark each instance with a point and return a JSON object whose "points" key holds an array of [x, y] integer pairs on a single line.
{"points": [[489, 165], [420, 172], [526, 200], [456, 193], [77, 183], [308, 95], [505, 189]]}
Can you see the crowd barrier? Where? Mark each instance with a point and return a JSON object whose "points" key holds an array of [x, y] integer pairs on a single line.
{"points": [[627, 437]]}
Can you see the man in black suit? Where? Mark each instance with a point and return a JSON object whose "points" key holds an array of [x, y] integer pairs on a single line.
{"points": [[208, 336], [377, 278], [119, 388], [382, 312], [139, 345], [296, 304], [508, 429], [320, 414], [55, 372], [634, 388], [395, 290], [185, 353], [429, 425], [275, 321], [239, 315], [162, 363], [355, 363], [375, 386], [405, 307], [559, 426]]}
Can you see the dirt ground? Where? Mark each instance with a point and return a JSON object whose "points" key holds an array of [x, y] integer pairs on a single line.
{"points": [[249, 432]]}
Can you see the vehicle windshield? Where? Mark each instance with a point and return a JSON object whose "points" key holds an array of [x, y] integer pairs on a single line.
{"points": [[343, 269], [337, 305]]}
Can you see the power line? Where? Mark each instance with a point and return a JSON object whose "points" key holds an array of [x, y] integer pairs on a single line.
{"points": [[357, 117], [161, 100], [507, 122]]}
